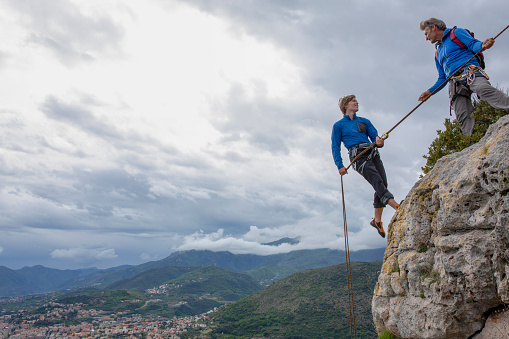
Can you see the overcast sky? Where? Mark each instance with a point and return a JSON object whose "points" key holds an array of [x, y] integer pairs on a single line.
{"points": [[131, 129]]}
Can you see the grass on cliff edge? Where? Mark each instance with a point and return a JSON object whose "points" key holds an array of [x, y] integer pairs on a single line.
{"points": [[386, 335], [451, 139]]}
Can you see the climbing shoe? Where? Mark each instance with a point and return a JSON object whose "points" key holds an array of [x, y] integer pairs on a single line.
{"points": [[379, 227]]}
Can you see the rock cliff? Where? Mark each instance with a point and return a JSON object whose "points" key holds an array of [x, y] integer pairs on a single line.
{"points": [[446, 266]]}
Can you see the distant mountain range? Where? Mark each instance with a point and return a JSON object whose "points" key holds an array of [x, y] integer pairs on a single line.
{"points": [[211, 284], [166, 292], [308, 304], [212, 281], [39, 279], [36, 279]]}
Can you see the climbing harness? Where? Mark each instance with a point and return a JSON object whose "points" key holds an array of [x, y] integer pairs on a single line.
{"points": [[358, 165], [460, 88], [472, 71], [461, 81], [353, 330]]}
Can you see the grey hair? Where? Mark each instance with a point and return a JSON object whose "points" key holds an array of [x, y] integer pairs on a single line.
{"points": [[432, 22]]}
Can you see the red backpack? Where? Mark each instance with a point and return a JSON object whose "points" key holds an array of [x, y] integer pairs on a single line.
{"points": [[479, 56]]}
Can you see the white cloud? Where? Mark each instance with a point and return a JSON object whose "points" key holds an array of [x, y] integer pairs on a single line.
{"points": [[313, 233], [147, 257], [216, 242], [84, 254]]}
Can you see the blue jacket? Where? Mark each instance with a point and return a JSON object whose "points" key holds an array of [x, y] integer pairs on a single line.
{"points": [[351, 133], [450, 56]]}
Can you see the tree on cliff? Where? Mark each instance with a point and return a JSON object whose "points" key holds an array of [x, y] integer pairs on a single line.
{"points": [[452, 140]]}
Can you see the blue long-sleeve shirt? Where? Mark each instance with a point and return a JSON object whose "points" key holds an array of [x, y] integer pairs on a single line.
{"points": [[351, 133], [450, 56]]}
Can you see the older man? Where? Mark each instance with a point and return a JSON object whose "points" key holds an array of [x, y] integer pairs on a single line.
{"points": [[454, 47]]}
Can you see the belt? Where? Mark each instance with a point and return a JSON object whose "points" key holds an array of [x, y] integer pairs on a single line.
{"points": [[363, 145], [460, 74], [470, 71]]}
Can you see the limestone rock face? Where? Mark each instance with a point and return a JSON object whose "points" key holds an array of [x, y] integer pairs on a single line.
{"points": [[446, 266]]}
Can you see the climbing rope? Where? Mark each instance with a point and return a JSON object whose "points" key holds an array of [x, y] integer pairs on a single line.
{"points": [[353, 330]]}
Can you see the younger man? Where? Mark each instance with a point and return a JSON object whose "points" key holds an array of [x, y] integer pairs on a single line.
{"points": [[355, 133]]}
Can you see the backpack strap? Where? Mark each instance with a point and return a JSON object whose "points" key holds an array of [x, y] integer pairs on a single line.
{"points": [[479, 56], [456, 39]]}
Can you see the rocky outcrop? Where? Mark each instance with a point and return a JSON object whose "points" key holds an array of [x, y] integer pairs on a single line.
{"points": [[446, 266]]}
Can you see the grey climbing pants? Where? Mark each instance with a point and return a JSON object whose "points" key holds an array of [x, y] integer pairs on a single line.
{"points": [[462, 104]]}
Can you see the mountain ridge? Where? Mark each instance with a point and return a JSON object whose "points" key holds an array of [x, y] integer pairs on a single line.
{"points": [[39, 279]]}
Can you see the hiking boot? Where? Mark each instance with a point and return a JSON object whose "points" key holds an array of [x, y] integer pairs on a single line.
{"points": [[379, 227], [397, 205]]}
